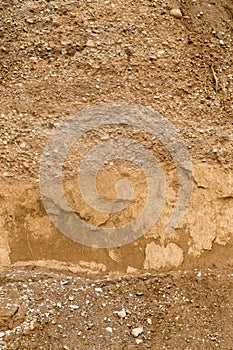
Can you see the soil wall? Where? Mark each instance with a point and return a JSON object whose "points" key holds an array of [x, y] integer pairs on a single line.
{"points": [[203, 238]]}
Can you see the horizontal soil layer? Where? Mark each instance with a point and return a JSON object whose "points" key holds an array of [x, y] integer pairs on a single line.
{"points": [[180, 310]]}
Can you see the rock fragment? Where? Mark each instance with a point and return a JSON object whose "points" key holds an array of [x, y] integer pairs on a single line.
{"points": [[176, 13], [90, 43], [121, 314], [74, 307], [137, 331], [109, 329]]}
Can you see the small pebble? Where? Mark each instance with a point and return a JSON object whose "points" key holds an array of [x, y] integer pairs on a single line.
{"points": [[64, 283], [74, 307], [176, 13], [121, 314], [109, 329], [30, 20], [137, 331], [90, 43], [160, 53]]}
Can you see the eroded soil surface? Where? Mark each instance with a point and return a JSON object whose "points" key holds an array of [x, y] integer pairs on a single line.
{"points": [[177, 310], [58, 57]]}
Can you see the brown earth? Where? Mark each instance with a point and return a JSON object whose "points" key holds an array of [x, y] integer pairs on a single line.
{"points": [[58, 57], [179, 310]]}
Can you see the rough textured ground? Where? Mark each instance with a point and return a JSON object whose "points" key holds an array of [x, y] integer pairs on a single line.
{"points": [[181, 310], [61, 56], [58, 57]]}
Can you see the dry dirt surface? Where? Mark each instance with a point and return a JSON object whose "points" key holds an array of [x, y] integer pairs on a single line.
{"points": [[177, 310], [58, 57]]}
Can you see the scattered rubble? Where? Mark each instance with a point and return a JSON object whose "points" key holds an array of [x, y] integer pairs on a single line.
{"points": [[172, 308]]}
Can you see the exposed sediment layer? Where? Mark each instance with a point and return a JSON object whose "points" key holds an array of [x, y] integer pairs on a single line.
{"points": [[204, 237]]}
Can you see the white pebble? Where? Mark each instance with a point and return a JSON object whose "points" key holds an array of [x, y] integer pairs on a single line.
{"points": [[74, 307], [137, 331], [121, 314], [160, 53], [109, 329]]}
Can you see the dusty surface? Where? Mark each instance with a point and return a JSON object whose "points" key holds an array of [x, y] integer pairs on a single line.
{"points": [[180, 310], [58, 57]]}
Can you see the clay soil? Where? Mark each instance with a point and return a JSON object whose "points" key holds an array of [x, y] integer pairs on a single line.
{"points": [[58, 57]]}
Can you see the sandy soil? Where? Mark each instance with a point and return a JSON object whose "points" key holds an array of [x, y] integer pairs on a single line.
{"points": [[178, 310], [58, 57]]}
